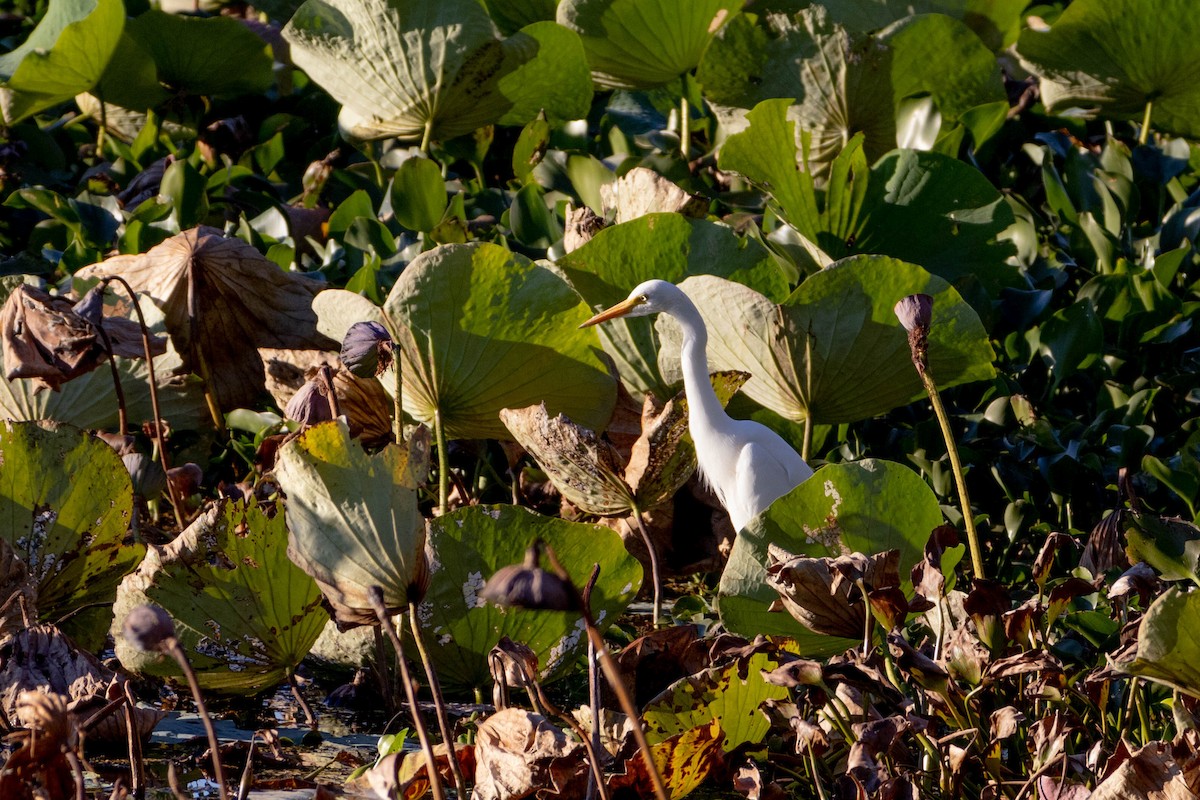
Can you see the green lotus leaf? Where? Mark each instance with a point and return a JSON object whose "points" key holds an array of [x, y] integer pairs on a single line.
{"points": [[174, 54], [512, 15], [641, 44], [63, 56], [468, 545], [90, 401], [834, 351], [669, 247], [867, 506], [925, 208], [996, 22], [730, 694], [404, 67], [66, 503], [244, 613], [352, 518], [1168, 651], [1114, 57], [485, 329]]}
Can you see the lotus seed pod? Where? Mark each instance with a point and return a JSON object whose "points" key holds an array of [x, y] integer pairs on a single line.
{"points": [[367, 349], [148, 628], [149, 480], [527, 585], [309, 405], [915, 312]]}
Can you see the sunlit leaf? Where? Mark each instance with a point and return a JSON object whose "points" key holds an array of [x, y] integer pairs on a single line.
{"points": [[1167, 648], [352, 518], [467, 546], [867, 507], [684, 762], [244, 613]]}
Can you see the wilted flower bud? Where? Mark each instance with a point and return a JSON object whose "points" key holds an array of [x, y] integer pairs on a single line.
{"points": [[316, 175], [91, 306], [915, 313], [367, 349], [185, 480], [529, 586], [148, 628], [309, 405]]}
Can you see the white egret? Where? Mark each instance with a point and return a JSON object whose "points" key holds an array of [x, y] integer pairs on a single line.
{"points": [[747, 464]]}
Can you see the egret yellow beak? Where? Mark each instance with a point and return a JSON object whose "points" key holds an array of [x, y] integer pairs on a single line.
{"points": [[619, 310]]}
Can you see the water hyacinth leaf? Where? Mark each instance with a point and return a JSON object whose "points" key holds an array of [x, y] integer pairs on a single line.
{"points": [[1114, 57], [920, 207], [483, 329], [469, 545], [405, 68], [728, 694], [834, 351], [641, 44], [65, 55], [1167, 649], [222, 300], [866, 507], [670, 247], [244, 613], [66, 502], [419, 194], [353, 520], [1171, 546]]}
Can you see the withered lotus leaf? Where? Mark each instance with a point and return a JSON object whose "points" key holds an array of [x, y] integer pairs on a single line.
{"points": [[684, 761], [822, 593], [353, 520], [222, 300], [45, 338], [518, 754]]}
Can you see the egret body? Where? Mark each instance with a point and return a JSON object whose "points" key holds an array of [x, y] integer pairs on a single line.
{"points": [[747, 464]]}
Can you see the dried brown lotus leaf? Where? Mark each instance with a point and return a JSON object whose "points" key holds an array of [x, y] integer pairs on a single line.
{"points": [[222, 300], [518, 754]]}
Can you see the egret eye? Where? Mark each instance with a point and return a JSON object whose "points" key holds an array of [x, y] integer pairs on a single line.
{"points": [[643, 299]]}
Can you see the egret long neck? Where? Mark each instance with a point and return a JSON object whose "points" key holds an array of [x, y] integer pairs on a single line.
{"points": [[702, 400]]}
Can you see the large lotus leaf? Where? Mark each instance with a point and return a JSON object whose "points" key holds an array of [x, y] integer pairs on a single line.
{"points": [[398, 66], [66, 502], [925, 208], [1115, 56], [468, 545], [63, 56], [490, 330], [996, 22], [640, 44], [353, 520], [189, 55], [244, 613], [90, 401], [512, 15], [834, 351], [684, 761], [222, 300], [1168, 650], [669, 247], [731, 694], [868, 507]]}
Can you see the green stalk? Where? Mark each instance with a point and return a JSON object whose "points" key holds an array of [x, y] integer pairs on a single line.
{"points": [[654, 574], [1144, 134], [685, 128], [439, 432], [427, 136], [960, 481], [439, 704]]}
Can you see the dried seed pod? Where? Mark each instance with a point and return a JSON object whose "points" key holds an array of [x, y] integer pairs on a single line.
{"points": [[527, 585], [367, 349], [148, 628]]}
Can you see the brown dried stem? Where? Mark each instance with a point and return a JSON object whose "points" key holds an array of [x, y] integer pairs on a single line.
{"points": [[171, 645], [435, 688]]}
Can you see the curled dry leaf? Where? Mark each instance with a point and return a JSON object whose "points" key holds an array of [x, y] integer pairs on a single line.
{"points": [[643, 191], [222, 300], [821, 593], [406, 775], [46, 339], [518, 754]]}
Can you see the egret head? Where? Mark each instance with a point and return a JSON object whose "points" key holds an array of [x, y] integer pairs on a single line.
{"points": [[651, 297]]}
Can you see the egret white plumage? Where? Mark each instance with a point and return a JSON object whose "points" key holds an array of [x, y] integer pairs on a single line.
{"points": [[747, 464]]}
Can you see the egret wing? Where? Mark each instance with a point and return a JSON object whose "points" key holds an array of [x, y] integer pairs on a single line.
{"points": [[764, 474]]}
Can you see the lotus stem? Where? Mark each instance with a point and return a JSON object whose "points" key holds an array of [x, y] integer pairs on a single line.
{"points": [[685, 126], [960, 480], [397, 375], [137, 767], [122, 411], [173, 782], [172, 647], [654, 575], [77, 773], [593, 676], [375, 595], [247, 771], [325, 376], [597, 777], [309, 716], [439, 432], [439, 704], [160, 440], [427, 135], [1144, 133]]}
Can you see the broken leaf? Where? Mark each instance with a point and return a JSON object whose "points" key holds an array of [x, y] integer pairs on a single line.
{"points": [[244, 614], [519, 754], [222, 300], [822, 594]]}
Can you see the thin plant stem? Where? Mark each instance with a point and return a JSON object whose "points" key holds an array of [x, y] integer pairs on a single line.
{"points": [[439, 704], [427, 136], [654, 574], [210, 397], [375, 595], [173, 647], [247, 771], [176, 505], [816, 777], [960, 480], [439, 432], [137, 767], [593, 676], [122, 412], [868, 618], [77, 773], [309, 716], [1144, 133], [685, 128], [325, 376], [173, 782], [577, 729]]}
